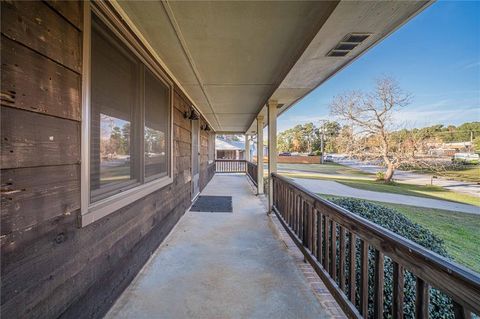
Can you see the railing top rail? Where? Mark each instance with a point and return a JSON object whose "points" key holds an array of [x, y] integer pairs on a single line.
{"points": [[461, 283], [230, 160]]}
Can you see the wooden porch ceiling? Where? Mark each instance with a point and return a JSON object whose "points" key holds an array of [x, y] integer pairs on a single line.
{"points": [[231, 57]]}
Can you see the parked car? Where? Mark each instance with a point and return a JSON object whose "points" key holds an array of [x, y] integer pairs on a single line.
{"points": [[466, 158], [285, 154], [328, 158]]}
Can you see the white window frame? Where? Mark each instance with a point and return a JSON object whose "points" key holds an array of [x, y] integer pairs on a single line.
{"points": [[91, 212]]}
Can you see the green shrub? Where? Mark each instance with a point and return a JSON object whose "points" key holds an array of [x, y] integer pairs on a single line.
{"points": [[380, 176], [440, 304]]}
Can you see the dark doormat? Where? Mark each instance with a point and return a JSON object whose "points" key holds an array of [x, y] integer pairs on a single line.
{"points": [[213, 204]]}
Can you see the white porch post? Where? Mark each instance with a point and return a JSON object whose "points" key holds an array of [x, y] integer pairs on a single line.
{"points": [[272, 148], [259, 154], [247, 147]]}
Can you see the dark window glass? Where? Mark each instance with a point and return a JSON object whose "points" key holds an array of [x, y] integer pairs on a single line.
{"points": [[157, 101], [114, 101], [130, 112]]}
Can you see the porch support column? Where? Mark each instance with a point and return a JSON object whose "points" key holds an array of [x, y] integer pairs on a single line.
{"points": [[272, 148], [247, 147], [259, 154]]}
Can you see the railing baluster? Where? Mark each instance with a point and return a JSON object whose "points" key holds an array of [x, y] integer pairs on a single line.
{"points": [[314, 232], [292, 199], [421, 299], [311, 228], [304, 223], [351, 278], [379, 281], [282, 200], [333, 250], [341, 272], [236, 166], [290, 208], [299, 217], [364, 278], [296, 214], [398, 284], [312, 223], [460, 312], [326, 260], [319, 237]]}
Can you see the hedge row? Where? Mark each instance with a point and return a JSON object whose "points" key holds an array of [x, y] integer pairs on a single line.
{"points": [[440, 304]]}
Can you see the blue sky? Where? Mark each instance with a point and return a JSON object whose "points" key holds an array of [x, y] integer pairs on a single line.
{"points": [[435, 57]]}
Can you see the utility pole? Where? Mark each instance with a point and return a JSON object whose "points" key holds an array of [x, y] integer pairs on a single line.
{"points": [[322, 137]]}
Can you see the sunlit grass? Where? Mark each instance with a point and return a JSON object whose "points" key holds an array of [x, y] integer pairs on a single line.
{"points": [[460, 231], [427, 191], [360, 180], [468, 174]]}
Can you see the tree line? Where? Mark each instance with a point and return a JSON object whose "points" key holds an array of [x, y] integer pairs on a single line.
{"points": [[369, 130], [306, 138]]}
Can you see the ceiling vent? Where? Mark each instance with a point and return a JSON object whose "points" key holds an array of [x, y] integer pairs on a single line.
{"points": [[349, 42]]}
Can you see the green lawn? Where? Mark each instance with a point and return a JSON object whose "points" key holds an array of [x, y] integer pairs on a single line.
{"points": [[460, 232], [435, 192], [470, 173], [357, 179], [327, 169]]}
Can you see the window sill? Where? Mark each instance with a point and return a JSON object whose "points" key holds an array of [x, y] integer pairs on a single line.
{"points": [[113, 203]]}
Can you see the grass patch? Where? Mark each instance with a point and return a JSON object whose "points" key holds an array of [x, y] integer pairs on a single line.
{"points": [[427, 191], [326, 169], [361, 180], [459, 231], [467, 174]]}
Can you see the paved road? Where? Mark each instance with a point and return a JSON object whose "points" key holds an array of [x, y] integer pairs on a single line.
{"points": [[417, 179], [334, 188]]}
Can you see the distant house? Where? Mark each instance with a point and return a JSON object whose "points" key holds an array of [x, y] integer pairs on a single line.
{"points": [[449, 149], [229, 149]]}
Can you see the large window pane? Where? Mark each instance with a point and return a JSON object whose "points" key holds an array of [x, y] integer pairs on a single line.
{"points": [[114, 99], [156, 137]]}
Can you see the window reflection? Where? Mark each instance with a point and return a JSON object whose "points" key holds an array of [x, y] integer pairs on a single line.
{"points": [[114, 150], [114, 99], [130, 113], [156, 126], [155, 152]]}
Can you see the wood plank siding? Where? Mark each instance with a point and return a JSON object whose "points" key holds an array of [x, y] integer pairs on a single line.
{"points": [[50, 267]]}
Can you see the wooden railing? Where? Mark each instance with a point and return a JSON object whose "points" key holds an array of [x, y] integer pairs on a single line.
{"points": [[252, 171], [324, 232], [230, 166]]}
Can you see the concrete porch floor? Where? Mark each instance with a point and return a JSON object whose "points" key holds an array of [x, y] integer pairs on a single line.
{"points": [[222, 265]]}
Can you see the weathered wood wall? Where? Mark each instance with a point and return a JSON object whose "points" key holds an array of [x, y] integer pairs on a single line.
{"points": [[207, 170], [51, 268]]}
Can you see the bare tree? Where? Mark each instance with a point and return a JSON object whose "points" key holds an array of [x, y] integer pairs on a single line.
{"points": [[372, 116]]}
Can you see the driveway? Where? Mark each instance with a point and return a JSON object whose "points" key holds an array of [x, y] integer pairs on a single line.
{"points": [[417, 179], [334, 188]]}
